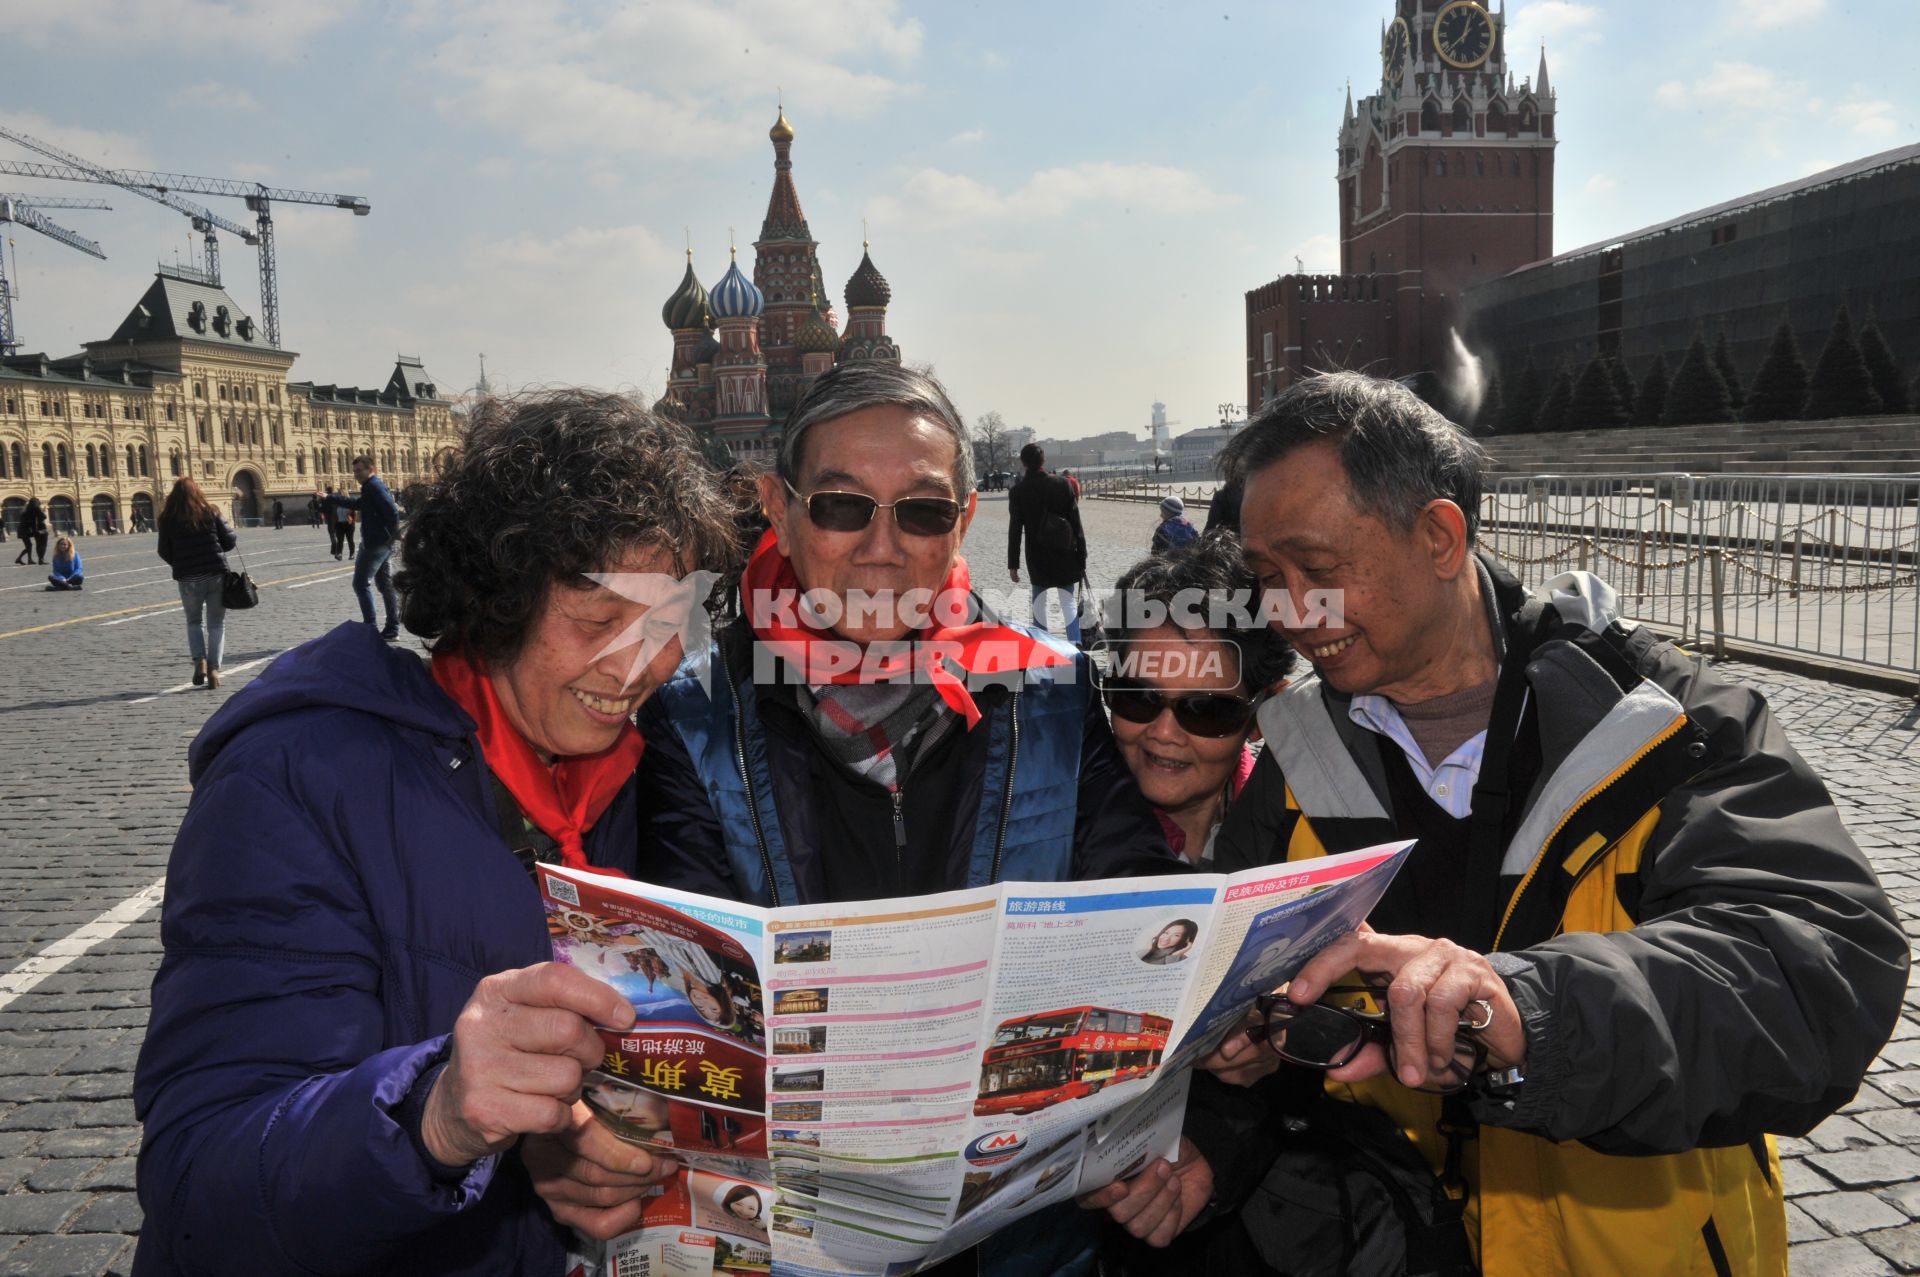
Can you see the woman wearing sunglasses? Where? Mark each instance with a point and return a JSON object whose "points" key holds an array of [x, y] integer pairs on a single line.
{"points": [[1182, 700]]}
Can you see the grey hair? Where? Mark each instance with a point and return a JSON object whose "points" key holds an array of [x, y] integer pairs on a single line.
{"points": [[874, 383], [1398, 453]]}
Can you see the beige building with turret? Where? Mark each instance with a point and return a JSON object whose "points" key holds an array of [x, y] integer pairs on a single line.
{"points": [[188, 385]]}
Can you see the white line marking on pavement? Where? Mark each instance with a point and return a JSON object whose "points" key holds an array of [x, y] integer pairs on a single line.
{"points": [[143, 616], [322, 581], [188, 687], [91, 576], [73, 945]]}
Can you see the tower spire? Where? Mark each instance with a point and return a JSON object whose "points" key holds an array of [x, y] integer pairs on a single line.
{"points": [[1540, 87]]}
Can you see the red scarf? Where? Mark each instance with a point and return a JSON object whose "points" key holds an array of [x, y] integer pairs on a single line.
{"points": [[563, 800], [769, 589]]}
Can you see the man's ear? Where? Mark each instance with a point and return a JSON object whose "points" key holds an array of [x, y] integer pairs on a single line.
{"points": [[773, 503], [1442, 532]]}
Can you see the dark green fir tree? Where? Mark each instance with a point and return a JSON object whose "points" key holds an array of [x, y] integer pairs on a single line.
{"points": [[1779, 388], [1594, 405], [1622, 385], [1882, 366], [1553, 409], [1840, 385], [1729, 371], [1698, 394], [1521, 412], [1650, 403]]}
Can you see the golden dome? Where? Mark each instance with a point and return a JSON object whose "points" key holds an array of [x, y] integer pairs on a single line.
{"points": [[781, 130]]}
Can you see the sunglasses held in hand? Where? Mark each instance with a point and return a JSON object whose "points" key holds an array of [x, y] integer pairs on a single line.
{"points": [[1330, 1033], [853, 511]]}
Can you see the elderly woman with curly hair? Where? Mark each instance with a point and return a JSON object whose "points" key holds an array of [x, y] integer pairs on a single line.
{"points": [[359, 1057]]}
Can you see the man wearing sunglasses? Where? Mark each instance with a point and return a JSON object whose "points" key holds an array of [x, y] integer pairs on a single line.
{"points": [[1633, 941], [855, 750]]}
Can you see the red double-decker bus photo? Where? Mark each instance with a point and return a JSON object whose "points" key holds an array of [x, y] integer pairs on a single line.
{"points": [[1039, 1060]]}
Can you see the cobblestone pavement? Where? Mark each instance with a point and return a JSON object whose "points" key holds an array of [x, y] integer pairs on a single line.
{"points": [[99, 712]]}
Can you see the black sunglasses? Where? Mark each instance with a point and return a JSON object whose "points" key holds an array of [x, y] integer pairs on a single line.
{"points": [[1211, 714], [852, 511], [1330, 1033]]}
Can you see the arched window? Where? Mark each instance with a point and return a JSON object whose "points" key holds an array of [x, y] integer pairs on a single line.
{"points": [[106, 461], [133, 462], [60, 457], [1479, 164], [93, 463], [1462, 118], [46, 459], [1496, 119], [173, 461], [300, 462], [1430, 117], [3, 464], [1439, 166]]}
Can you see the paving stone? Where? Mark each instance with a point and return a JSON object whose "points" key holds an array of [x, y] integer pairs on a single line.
{"points": [[116, 1213], [55, 1116], [1798, 1176], [1802, 1227], [108, 1141], [27, 1214], [1840, 1257], [1841, 1132], [114, 1173], [1866, 1167], [1898, 1246], [1850, 1212], [114, 1112], [59, 1174], [1904, 1196], [32, 1086], [98, 1086], [64, 1256]]}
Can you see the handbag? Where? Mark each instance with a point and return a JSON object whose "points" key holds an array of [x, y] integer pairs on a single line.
{"points": [[237, 590]]}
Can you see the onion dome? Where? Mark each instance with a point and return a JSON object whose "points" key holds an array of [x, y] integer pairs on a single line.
{"points": [[735, 297], [706, 350], [781, 130], [815, 335], [868, 287], [687, 308]]}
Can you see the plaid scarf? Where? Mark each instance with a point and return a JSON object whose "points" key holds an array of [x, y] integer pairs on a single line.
{"points": [[876, 729]]}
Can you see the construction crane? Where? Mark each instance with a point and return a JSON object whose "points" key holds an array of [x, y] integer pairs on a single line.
{"points": [[72, 168], [260, 200], [13, 209]]}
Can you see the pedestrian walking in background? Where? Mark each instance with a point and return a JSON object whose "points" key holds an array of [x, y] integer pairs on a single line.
{"points": [[194, 540], [313, 510], [372, 566], [339, 522], [1072, 482], [279, 516], [1175, 528], [1041, 508], [66, 566], [33, 532]]}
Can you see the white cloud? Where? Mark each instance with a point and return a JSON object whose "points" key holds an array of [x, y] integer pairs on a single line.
{"points": [[1867, 118], [1317, 255], [932, 196], [1766, 14], [273, 29], [210, 96], [1737, 84], [494, 168], [970, 138], [1601, 184], [560, 74], [1672, 95], [1564, 27]]}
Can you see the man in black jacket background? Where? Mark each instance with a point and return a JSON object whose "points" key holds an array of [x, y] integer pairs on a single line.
{"points": [[1042, 508]]}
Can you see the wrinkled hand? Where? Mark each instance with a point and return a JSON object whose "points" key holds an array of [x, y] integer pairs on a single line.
{"points": [[1432, 981], [591, 1179], [1159, 1203], [1239, 1060], [520, 1048]]}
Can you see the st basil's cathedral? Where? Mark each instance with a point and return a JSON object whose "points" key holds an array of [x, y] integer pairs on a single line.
{"points": [[745, 350]]}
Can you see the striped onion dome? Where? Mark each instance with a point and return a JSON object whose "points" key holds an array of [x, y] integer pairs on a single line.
{"points": [[868, 287], [735, 297], [816, 334], [687, 308]]}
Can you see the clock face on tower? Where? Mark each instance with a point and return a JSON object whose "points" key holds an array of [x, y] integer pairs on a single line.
{"points": [[1393, 51], [1463, 34]]}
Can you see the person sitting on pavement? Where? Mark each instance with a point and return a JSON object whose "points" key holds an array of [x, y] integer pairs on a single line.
{"points": [[1043, 509], [1174, 528], [67, 572], [872, 771], [1633, 942], [360, 1058], [379, 529], [1182, 698]]}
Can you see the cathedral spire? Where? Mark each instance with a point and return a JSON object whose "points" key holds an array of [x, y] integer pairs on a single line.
{"points": [[1540, 87], [784, 219]]}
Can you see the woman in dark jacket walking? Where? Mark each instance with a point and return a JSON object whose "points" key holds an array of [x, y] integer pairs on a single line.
{"points": [[33, 532], [194, 540]]}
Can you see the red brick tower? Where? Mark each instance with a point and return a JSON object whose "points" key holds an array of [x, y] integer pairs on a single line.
{"points": [[786, 269], [1445, 178]]}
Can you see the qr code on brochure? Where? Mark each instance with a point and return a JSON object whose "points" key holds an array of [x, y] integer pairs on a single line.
{"points": [[562, 890]]}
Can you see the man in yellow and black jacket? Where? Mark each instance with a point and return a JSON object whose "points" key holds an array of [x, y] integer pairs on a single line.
{"points": [[1623, 870]]}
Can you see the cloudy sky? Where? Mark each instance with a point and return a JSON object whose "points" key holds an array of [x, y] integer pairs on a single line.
{"points": [[1069, 199]]}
